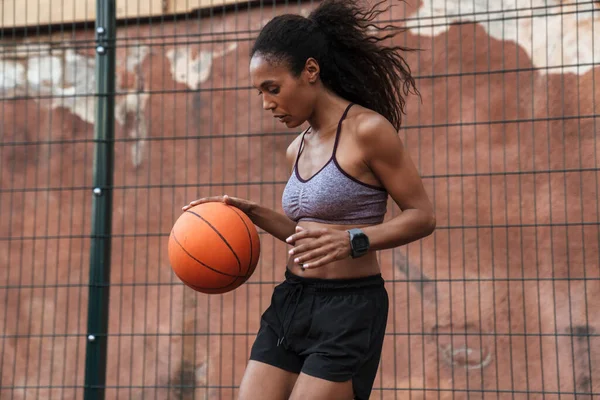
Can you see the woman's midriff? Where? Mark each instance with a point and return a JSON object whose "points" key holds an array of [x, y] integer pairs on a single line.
{"points": [[349, 267]]}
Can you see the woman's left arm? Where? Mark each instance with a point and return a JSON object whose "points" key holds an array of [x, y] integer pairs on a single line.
{"points": [[383, 152], [385, 155]]}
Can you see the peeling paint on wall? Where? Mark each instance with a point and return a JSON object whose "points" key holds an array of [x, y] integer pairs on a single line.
{"points": [[192, 70], [12, 74], [134, 103], [78, 80], [135, 57], [58, 78], [552, 32], [66, 76], [187, 69]]}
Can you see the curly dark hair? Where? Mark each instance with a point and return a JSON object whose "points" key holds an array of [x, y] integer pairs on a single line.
{"points": [[354, 64]]}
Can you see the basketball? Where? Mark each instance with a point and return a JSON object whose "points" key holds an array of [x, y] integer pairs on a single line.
{"points": [[213, 248]]}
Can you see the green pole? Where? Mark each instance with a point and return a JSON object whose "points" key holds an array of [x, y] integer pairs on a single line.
{"points": [[100, 247]]}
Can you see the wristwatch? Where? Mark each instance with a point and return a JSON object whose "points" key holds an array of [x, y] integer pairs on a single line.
{"points": [[359, 243]]}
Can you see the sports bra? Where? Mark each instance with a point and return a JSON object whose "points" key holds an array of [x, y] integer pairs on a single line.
{"points": [[331, 195]]}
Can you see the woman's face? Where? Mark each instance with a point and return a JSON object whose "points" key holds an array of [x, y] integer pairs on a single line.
{"points": [[289, 98]]}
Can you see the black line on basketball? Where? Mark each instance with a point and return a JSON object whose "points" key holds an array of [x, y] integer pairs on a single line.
{"points": [[200, 262], [249, 239], [232, 283], [221, 236]]}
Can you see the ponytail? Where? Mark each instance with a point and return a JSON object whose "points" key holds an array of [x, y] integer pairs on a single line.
{"points": [[353, 62]]}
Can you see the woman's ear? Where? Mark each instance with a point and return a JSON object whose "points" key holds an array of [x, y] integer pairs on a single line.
{"points": [[312, 70]]}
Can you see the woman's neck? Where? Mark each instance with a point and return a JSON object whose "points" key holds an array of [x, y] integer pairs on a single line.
{"points": [[328, 110]]}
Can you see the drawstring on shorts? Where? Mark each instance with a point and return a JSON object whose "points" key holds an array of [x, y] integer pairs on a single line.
{"points": [[295, 296]]}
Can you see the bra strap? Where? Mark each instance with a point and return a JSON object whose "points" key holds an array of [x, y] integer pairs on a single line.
{"points": [[301, 147], [339, 129]]}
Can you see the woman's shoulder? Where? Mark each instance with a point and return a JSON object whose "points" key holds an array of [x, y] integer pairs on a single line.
{"points": [[368, 125]]}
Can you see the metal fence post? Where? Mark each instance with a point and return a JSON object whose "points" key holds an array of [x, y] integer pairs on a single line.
{"points": [[100, 249]]}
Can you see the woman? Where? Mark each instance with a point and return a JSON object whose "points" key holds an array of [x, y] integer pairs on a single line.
{"points": [[322, 336]]}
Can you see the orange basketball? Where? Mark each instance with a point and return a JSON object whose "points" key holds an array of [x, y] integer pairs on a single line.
{"points": [[213, 248]]}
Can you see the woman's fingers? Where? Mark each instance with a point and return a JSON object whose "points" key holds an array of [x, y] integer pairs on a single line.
{"points": [[243, 205], [203, 200]]}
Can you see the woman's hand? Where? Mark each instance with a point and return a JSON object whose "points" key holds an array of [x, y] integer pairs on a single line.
{"points": [[243, 205], [321, 246]]}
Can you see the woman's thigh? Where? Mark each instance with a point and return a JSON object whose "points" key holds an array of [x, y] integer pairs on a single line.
{"points": [[264, 381], [310, 387]]}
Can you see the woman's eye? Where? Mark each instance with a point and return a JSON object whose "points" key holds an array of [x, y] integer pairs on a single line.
{"points": [[274, 90]]}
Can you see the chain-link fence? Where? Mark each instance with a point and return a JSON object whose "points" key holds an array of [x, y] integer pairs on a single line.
{"points": [[501, 302]]}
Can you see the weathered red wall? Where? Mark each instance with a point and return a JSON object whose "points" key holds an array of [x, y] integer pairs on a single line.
{"points": [[508, 158]]}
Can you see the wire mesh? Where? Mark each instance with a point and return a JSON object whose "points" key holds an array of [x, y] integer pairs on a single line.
{"points": [[501, 302]]}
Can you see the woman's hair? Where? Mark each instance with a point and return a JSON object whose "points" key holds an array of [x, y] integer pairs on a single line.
{"points": [[354, 64]]}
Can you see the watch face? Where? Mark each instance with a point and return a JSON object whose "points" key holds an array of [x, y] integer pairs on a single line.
{"points": [[361, 242]]}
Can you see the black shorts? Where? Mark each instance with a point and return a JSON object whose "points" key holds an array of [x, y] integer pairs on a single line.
{"points": [[332, 329]]}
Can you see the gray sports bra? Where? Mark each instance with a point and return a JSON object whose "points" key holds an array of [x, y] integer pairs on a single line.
{"points": [[332, 195]]}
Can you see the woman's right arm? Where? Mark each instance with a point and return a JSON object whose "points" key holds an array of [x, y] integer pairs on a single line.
{"points": [[269, 220]]}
